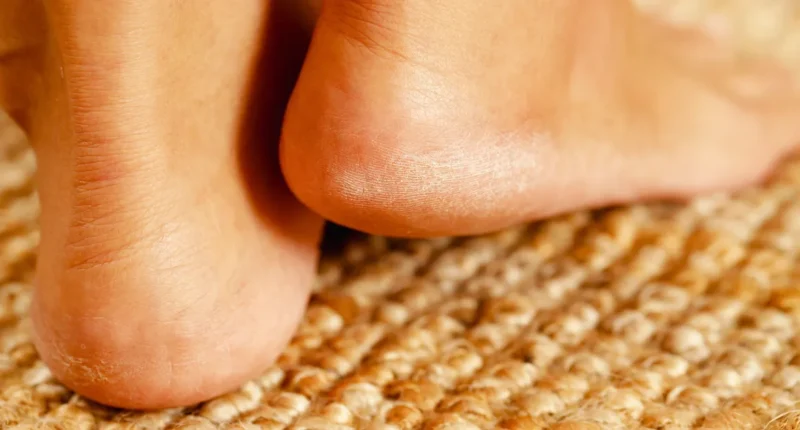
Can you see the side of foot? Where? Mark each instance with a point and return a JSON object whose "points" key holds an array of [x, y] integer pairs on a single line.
{"points": [[432, 118]]}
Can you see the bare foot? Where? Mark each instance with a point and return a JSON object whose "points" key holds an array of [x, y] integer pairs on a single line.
{"points": [[160, 285], [421, 118], [166, 275]]}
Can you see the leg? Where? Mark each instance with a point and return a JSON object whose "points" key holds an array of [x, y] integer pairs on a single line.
{"points": [[174, 263], [455, 117]]}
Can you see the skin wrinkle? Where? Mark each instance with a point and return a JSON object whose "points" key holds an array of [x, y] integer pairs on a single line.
{"points": [[95, 369], [97, 250], [470, 170]]}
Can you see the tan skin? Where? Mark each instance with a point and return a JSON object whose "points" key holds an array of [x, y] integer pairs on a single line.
{"points": [[181, 209]]}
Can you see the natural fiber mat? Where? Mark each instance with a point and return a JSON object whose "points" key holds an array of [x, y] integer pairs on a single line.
{"points": [[650, 316]]}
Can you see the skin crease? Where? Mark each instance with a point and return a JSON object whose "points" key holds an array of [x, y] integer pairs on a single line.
{"points": [[175, 262]]}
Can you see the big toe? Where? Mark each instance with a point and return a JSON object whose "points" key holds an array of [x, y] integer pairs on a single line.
{"points": [[166, 276]]}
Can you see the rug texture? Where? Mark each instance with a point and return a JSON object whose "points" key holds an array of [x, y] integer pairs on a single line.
{"points": [[649, 316]]}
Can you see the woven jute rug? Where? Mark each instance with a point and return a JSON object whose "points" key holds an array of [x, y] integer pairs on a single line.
{"points": [[649, 316]]}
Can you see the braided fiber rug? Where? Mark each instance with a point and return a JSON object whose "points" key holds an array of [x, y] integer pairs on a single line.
{"points": [[654, 316]]}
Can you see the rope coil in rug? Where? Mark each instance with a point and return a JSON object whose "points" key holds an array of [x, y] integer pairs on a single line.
{"points": [[640, 317]]}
